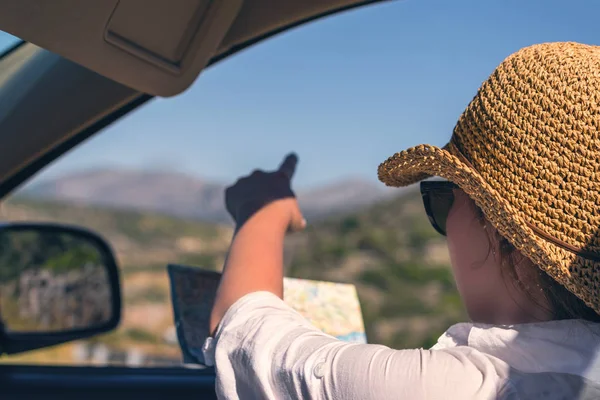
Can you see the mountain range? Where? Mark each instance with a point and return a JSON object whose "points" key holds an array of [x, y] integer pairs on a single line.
{"points": [[187, 196]]}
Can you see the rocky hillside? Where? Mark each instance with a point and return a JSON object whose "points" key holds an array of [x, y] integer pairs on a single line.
{"points": [[389, 250]]}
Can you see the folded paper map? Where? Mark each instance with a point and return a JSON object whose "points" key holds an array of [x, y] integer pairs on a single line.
{"points": [[331, 307]]}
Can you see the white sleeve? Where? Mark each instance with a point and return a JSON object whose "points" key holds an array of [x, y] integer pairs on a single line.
{"points": [[263, 349]]}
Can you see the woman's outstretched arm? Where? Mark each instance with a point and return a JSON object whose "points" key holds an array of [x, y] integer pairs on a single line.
{"points": [[264, 208]]}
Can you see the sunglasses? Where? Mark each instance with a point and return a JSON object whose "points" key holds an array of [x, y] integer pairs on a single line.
{"points": [[438, 197]]}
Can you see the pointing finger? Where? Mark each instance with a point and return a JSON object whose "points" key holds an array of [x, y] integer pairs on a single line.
{"points": [[288, 166]]}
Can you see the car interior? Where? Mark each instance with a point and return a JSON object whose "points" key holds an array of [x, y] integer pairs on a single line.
{"points": [[122, 123], [101, 60]]}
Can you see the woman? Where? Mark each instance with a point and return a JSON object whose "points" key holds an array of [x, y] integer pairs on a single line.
{"points": [[521, 210]]}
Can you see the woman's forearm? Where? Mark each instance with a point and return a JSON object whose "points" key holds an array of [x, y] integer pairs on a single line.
{"points": [[255, 259]]}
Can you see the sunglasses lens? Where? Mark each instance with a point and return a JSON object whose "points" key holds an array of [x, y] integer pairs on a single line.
{"points": [[438, 209]]}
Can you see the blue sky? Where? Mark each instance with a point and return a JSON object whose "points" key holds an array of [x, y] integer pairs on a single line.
{"points": [[345, 92]]}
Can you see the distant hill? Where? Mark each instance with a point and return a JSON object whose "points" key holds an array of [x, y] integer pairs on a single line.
{"points": [[182, 195], [389, 250]]}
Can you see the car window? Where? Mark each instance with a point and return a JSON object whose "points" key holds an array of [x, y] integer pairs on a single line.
{"points": [[344, 93]]}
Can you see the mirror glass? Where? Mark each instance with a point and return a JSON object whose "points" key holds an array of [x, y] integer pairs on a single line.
{"points": [[53, 280]]}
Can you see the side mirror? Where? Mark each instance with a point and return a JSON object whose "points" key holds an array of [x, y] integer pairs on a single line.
{"points": [[57, 284]]}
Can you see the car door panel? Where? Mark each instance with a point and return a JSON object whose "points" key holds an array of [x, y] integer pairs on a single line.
{"points": [[102, 383]]}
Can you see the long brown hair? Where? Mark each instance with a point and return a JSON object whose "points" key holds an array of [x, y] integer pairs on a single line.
{"points": [[563, 303]]}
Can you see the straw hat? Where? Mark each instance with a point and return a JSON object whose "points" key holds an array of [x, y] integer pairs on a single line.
{"points": [[527, 151]]}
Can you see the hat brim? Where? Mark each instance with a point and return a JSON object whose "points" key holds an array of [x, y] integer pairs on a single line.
{"points": [[424, 161]]}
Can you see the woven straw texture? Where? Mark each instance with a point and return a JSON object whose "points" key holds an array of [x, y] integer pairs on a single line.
{"points": [[527, 151]]}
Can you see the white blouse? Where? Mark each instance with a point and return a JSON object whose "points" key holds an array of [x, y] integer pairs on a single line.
{"points": [[263, 349]]}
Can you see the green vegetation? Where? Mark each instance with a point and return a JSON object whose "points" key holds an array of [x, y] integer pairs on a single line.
{"points": [[141, 336], [398, 263], [59, 253], [148, 295], [396, 259]]}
